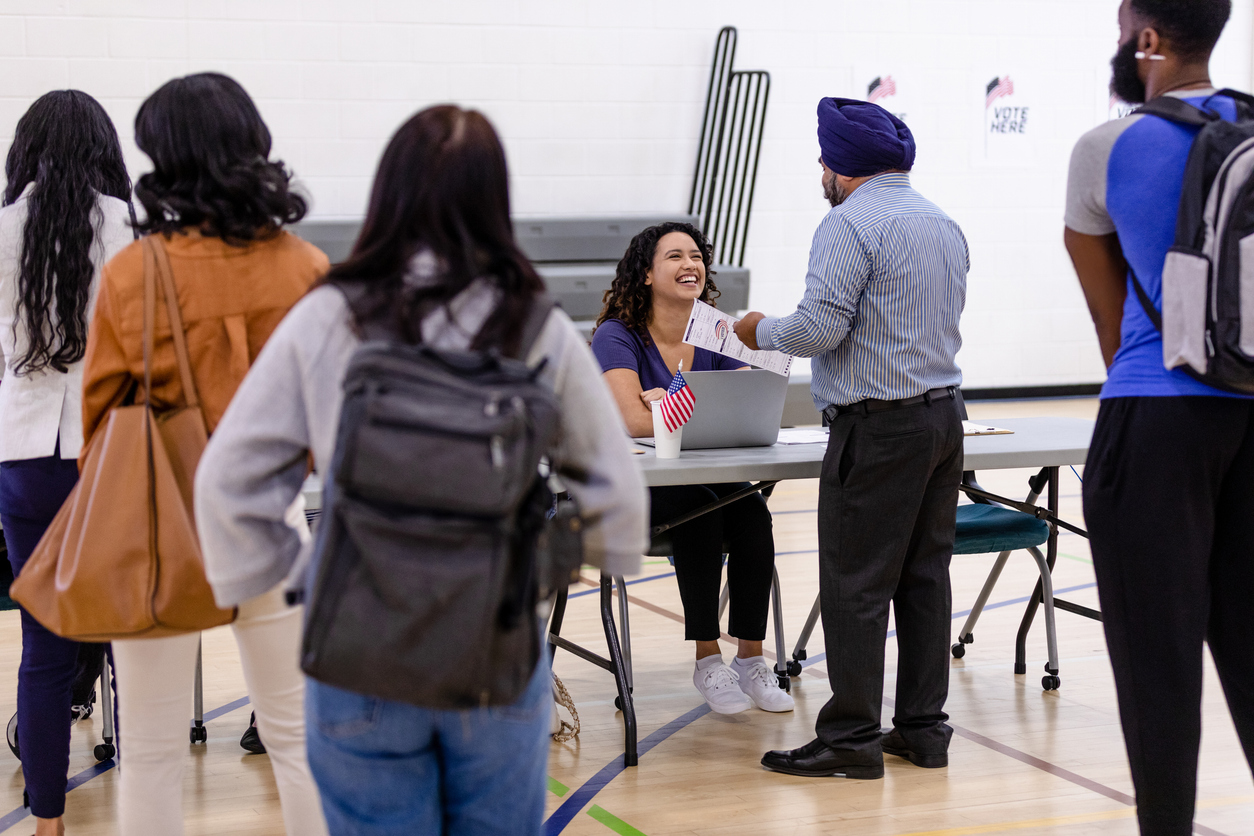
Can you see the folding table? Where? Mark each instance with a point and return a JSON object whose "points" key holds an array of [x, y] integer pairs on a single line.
{"points": [[1045, 443]]}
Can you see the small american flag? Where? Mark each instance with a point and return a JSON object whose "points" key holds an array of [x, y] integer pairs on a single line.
{"points": [[677, 403], [881, 88], [997, 88]]}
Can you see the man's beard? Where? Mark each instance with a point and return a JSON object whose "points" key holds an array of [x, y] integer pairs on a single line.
{"points": [[1124, 81], [834, 193]]}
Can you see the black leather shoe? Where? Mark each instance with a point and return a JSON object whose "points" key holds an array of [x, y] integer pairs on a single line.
{"points": [[894, 744], [251, 740], [816, 760]]}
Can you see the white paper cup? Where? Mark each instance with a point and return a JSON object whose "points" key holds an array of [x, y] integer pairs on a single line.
{"points": [[665, 442]]}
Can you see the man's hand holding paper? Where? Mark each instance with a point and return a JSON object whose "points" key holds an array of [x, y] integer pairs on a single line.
{"points": [[711, 329]]}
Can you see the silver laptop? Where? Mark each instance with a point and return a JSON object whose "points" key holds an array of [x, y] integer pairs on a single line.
{"points": [[733, 409]]}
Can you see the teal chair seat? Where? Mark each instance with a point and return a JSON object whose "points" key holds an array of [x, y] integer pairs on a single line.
{"points": [[992, 529]]}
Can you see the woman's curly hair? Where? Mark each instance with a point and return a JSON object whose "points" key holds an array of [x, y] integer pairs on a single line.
{"points": [[629, 299], [211, 158]]}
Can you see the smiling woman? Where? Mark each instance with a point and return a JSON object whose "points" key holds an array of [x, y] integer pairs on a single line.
{"points": [[639, 344], [639, 335]]}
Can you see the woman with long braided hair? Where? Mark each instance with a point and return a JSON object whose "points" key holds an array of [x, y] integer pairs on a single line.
{"points": [[66, 212]]}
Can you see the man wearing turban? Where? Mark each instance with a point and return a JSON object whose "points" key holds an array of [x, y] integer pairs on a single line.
{"points": [[884, 292]]}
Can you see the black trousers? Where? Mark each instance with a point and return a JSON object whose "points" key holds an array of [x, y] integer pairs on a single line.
{"points": [[887, 501], [744, 527], [1169, 503]]}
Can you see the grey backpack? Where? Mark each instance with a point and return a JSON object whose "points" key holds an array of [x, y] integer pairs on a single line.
{"points": [[439, 533], [1207, 318]]}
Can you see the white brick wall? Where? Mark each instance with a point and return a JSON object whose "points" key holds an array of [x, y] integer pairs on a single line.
{"points": [[599, 103]]}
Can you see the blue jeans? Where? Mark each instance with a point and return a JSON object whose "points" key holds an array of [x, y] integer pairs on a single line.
{"points": [[387, 768]]}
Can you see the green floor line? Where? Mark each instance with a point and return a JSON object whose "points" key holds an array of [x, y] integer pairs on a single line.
{"points": [[613, 822], [557, 788]]}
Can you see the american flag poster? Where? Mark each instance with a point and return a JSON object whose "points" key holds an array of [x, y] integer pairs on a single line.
{"points": [[881, 88], [677, 404], [998, 88], [1010, 119]]}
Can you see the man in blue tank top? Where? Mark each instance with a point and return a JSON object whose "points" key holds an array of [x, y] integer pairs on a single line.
{"points": [[1169, 483]]}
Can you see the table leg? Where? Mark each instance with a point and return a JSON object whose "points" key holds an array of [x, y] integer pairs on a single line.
{"points": [[555, 623], [630, 758]]}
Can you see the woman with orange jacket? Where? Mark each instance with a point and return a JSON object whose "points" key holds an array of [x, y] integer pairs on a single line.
{"points": [[217, 204]]}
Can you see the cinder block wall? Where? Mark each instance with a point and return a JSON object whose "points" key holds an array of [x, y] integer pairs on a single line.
{"points": [[599, 103]]}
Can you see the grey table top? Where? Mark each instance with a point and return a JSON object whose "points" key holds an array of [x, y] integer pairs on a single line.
{"points": [[1034, 442]]}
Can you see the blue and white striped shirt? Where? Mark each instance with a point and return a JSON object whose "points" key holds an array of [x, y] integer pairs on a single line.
{"points": [[885, 288]]}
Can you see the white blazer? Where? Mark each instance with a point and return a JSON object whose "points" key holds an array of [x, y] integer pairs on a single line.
{"points": [[39, 407]]}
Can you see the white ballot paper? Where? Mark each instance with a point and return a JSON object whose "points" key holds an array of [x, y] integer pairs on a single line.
{"points": [[711, 329], [972, 428], [801, 435]]}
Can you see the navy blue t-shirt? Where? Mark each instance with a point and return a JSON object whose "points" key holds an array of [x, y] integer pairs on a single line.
{"points": [[618, 347]]}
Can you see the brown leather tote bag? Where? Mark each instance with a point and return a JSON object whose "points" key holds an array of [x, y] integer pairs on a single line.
{"points": [[122, 559]]}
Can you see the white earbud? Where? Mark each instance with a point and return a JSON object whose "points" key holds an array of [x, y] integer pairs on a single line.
{"points": [[1141, 56]]}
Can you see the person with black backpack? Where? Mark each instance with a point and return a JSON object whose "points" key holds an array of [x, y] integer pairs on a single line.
{"points": [[1158, 228], [469, 451]]}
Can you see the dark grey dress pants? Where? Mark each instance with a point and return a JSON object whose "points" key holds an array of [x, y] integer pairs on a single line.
{"points": [[887, 500]]}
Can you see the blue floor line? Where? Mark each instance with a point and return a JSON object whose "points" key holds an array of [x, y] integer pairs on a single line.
{"points": [[226, 709], [629, 583], [570, 808], [76, 781], [564, 814], [820, 657]]}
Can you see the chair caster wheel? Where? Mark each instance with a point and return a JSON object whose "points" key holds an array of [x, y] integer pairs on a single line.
{"points": [[199, 734], [104, 751], [794, 667], [618, 703], [958, 650], [1050, 683], [11, 734], [785, 682]]}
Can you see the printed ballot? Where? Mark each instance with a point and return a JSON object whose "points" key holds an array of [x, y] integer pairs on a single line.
{"points": [[972, 428], [711, 329]]}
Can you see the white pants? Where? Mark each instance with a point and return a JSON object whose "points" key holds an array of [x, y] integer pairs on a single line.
{"points": [[155, 682]]}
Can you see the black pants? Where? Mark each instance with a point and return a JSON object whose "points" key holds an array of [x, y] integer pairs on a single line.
{"points": [[1169, 503], [887, 501], [745, 527]]}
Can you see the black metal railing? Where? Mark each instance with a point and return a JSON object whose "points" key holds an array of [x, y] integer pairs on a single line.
{"points": [[729, 150]]}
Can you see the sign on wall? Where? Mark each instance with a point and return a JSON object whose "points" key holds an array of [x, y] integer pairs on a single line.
{"points": [[1009, 125]]}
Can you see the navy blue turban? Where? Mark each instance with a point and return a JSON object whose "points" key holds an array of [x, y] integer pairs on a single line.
{"points": [[859, 138]]}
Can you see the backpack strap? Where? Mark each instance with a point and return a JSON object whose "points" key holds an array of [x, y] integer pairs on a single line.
{"points": [[542, 304], [1237, 96], [1148, 306], [1178, 111]]}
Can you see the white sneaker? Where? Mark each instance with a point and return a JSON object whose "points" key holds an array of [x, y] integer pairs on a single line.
{"points": [[717, 684], [759, 683]]}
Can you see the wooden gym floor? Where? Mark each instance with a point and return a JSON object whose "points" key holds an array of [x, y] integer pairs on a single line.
{"points": [[1022, 760]]}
